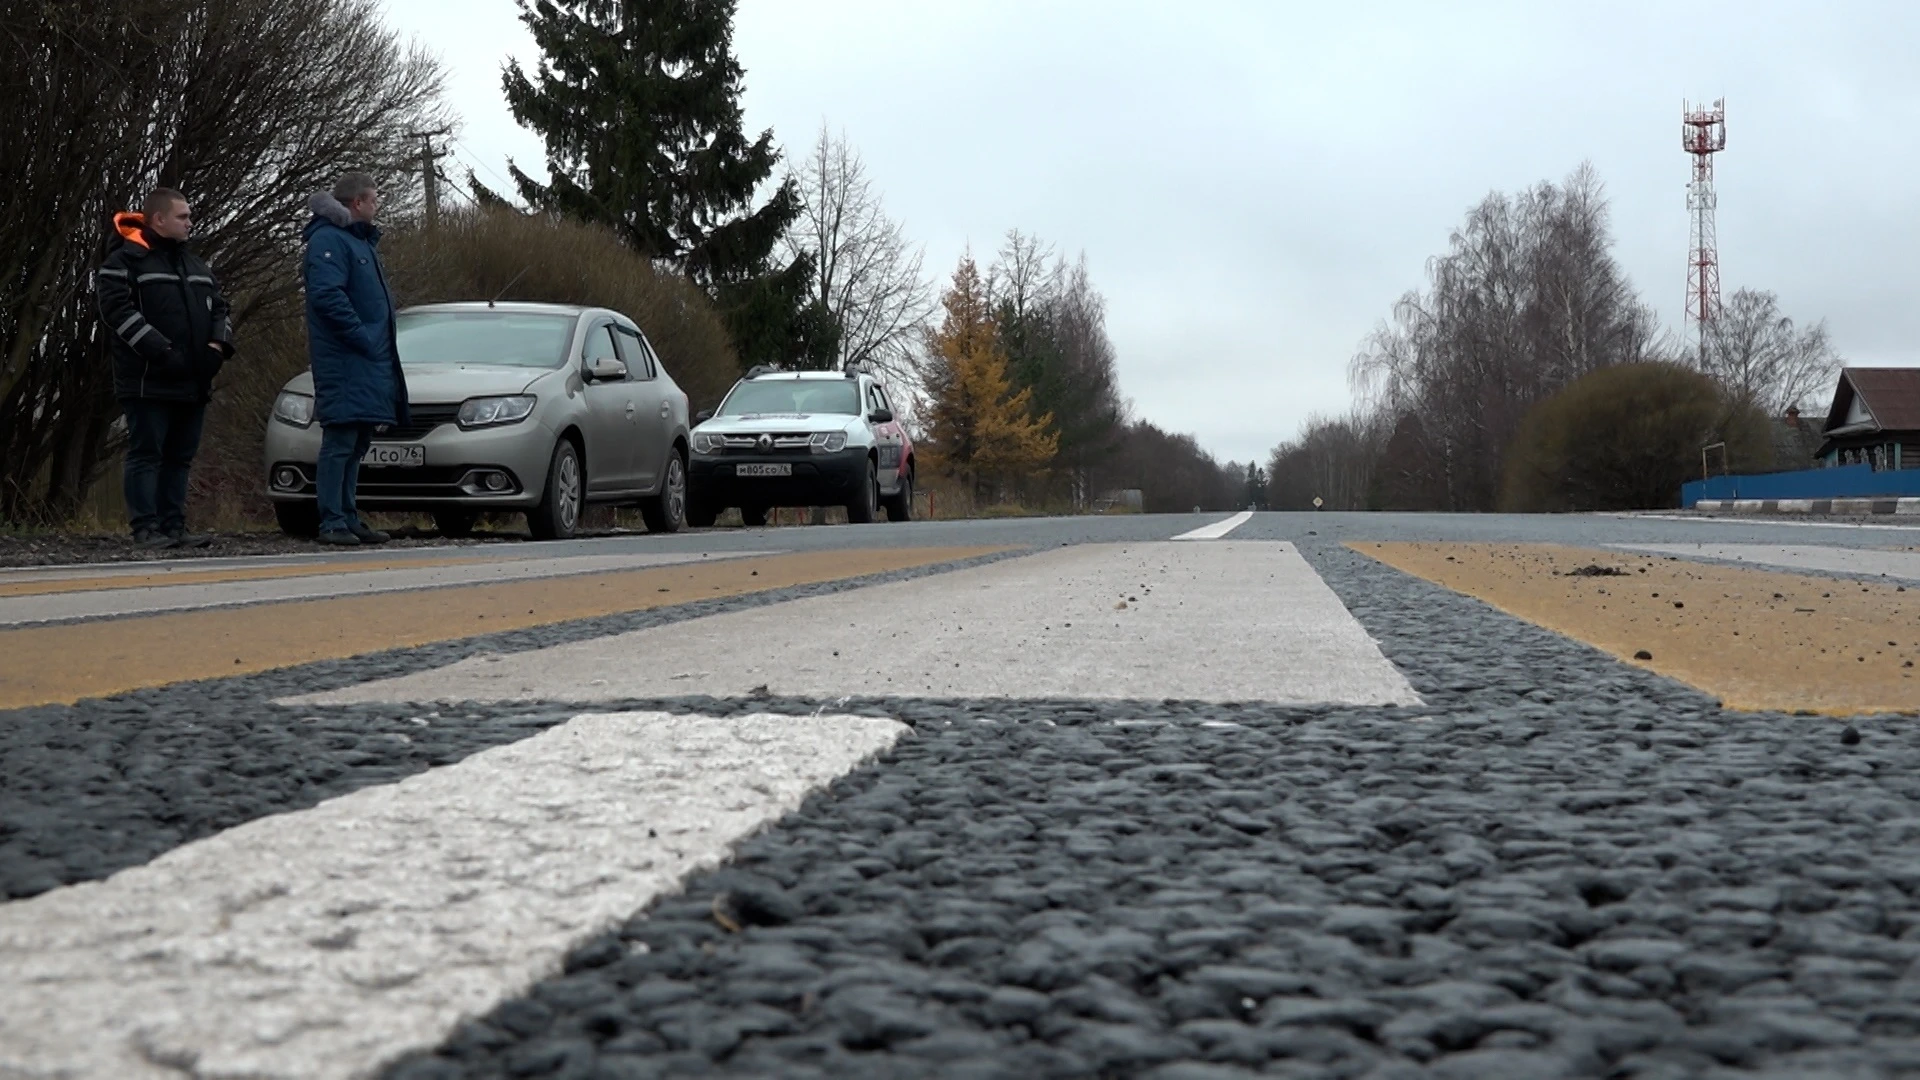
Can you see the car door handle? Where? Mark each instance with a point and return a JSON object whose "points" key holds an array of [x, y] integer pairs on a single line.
{"points": [[630, 410]]}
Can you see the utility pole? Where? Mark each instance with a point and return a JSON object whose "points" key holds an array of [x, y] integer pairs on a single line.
{"points": [[430, 171]]}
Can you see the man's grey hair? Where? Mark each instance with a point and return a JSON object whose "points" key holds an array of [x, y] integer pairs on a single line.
{"points": [[352, 186]]}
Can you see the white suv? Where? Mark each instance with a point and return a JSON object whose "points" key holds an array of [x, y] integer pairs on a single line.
{"points": [[801, 438]]}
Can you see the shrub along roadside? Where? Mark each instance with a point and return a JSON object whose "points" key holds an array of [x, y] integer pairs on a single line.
{"points": [[1624, 438], [480, 253]]}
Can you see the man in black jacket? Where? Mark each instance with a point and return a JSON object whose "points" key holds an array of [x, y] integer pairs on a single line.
{"points": [[167, 324]]}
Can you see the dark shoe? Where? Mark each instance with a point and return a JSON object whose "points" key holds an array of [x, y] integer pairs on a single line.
{"points": [[186, 539], [153, 541], [368, 534], [343, 539]]}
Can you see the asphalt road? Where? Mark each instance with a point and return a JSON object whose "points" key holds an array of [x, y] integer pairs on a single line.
{"points": [[1022, 798], [1578, 529]]}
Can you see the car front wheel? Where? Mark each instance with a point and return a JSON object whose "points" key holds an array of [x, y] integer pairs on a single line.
{"points": [[667, 511], [900, 503], [558, 514], [863, 510]]}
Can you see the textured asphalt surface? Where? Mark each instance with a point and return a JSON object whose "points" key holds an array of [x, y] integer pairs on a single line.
{"points": [[1557, 866]]}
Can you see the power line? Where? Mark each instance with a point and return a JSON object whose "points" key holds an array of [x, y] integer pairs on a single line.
{"points": [[507, 186]]}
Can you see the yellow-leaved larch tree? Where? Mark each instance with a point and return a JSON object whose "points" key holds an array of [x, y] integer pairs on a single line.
{"points": [[982, 432]]}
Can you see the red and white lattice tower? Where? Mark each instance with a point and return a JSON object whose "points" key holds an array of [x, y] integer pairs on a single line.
{"points": [[1703, 133]]}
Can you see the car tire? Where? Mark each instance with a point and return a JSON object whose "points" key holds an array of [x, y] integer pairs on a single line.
{"points": [[865, 510], [558, 514], [298, 519], [753, 517], [700, 516], [900, 503], [667, 511], [455, 524]]}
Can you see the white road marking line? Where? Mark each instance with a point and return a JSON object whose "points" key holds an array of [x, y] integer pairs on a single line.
{"points": [[1898, 565], [1224, 621], [1219, 528], [154, 599], [1757, 523], [326, 942]]}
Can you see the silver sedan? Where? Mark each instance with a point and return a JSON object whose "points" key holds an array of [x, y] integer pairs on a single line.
{"points": [[536, 408]]}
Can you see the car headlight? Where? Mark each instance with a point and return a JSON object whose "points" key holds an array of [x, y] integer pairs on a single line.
{"points": [[704, 443], [830, 442], [485, 411], [292, 408]]}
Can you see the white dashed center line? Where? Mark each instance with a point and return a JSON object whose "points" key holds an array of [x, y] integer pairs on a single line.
{"points": [[1219, 528]]}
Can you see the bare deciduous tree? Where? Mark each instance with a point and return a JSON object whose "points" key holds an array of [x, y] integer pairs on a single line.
{"points": [[1527, 299], [1025, 273], [867, 277], [1763, 359]]}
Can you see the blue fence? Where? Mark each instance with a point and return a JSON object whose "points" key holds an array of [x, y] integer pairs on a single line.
{"points": [[1843, 482]]}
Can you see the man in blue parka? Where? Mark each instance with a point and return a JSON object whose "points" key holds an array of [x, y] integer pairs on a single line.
{"points": [[358, 387]]}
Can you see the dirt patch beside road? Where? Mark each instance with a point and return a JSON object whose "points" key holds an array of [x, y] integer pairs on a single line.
{"points": [[1757, 639]]}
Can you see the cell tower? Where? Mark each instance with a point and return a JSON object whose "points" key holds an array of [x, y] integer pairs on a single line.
{"points": [[1703, 133]]}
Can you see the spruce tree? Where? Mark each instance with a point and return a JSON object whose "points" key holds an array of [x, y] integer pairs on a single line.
{"points": [[638, 102]]}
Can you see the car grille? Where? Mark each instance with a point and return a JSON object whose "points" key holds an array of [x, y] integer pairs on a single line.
{"points": [[422, 420], [787, 442]]}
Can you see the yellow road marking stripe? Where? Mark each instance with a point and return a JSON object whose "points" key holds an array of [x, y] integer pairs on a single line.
{"points": [[108, 583], [1757, 639], [63, 664]]}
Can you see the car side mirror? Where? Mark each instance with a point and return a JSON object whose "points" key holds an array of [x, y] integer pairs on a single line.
{"points": [[607, 368], [881, 416], [703, 416]]}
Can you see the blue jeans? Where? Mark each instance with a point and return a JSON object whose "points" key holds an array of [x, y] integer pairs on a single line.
{"points": [[338, 474], [162, 437]]}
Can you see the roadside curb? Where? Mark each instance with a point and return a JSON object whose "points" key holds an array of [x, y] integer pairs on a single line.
{"points": [[1850, 507]]}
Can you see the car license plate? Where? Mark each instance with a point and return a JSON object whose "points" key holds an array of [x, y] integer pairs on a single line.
{"points": [[394, 456], [763, 470]]}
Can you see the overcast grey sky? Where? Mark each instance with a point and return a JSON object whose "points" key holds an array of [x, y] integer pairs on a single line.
{"points": [[1254, 183]]}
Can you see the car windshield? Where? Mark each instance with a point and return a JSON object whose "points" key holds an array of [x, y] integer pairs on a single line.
{"points": [[771, 396], [503, 338]]}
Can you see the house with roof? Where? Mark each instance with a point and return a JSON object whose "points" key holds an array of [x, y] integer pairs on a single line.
{"points": [[1796, 440], [1874, 420]]}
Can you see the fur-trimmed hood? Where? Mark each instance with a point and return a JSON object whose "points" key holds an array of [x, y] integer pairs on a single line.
{"points": [[328, 208]]}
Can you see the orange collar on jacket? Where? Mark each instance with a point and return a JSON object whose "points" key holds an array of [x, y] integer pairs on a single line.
{"points": [[132, 226]]}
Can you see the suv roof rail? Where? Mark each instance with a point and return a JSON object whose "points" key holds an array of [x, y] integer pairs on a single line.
{"points": [[758, 370]]}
